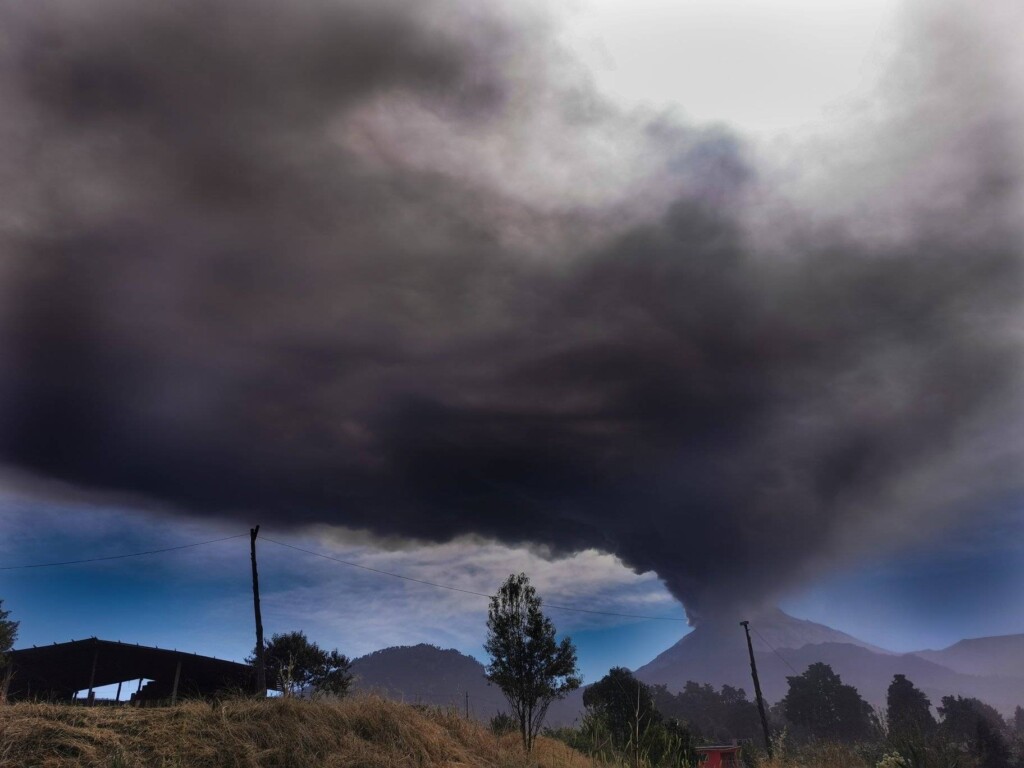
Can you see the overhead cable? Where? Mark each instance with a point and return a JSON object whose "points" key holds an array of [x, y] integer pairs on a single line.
{"points": [[120, 557]]}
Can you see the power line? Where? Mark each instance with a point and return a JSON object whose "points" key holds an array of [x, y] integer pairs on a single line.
{"points": [[436, 585], [774, 651], [460, 589], [120, 557]]}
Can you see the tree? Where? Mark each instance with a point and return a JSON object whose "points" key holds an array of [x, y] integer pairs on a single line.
{"points": [[625, 706], [8, 632], [715, 716], [908, 712], [977, 727], [298, 665], [623, 724], [819, 704], [527, 663]]}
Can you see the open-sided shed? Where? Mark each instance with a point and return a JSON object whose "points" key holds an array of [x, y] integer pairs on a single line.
{"points": [[56, 672]]}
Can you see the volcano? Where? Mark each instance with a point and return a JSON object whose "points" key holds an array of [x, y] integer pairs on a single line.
{"points": [[715, 652]]}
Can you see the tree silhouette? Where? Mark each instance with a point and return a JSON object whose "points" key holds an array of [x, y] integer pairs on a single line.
{"points": [[300, 665], [822, 706], [717, 716], [908, 712], [527, 663], [625, 706], [8, 632], [977, 727]]}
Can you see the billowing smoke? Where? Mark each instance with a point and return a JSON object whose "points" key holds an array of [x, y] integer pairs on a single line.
{"points": [[395, 266]]}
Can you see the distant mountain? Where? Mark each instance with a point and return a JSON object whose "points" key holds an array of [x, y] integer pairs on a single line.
{"points": [[425, 674], [716, 652], [994, 656]]}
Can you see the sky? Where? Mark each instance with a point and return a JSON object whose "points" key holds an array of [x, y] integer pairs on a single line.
{"points": [[679, 307]]}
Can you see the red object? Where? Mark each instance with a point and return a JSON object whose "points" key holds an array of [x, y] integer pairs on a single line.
{"points": [[720, 757]]}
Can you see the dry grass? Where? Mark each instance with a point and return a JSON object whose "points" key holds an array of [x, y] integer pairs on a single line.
{"points": [[363, 732], [821, 755]]}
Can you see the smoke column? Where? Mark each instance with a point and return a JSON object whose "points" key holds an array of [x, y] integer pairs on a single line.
{"points": [[397, 267]]}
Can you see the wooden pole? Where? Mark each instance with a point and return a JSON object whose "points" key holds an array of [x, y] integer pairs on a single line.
{"points": [[757, 691], [261, 668], [92, 675], [118, 697], [177, 677], [8, 674]]}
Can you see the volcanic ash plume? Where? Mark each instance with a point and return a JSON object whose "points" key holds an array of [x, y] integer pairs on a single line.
{"points": [[397, 267]]}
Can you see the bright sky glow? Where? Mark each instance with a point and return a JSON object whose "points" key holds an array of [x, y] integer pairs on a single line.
{"points": [[762, 66]]}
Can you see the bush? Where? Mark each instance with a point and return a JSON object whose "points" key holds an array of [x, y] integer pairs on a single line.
{"points": [[503, 723]]}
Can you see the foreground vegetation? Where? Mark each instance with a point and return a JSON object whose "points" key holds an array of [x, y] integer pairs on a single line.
{"points": [[361, 732], [821, 723], [369, 732]]}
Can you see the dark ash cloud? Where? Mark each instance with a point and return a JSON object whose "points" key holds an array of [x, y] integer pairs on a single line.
{"points": [[366, 264]]}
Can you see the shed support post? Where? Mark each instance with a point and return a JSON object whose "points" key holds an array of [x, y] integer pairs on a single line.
{"points": [[177, 677], [8, 674], [92, 675], [118, 697]]}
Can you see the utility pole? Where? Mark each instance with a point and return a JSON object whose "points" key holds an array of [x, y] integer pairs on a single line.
{"points": [[261, 667], [757, 691]]}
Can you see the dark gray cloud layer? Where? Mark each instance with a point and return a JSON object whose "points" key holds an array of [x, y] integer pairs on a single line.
{"points": [[338, 262]]}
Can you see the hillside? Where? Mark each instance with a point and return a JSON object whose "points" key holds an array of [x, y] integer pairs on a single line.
{"points": [[993, 656], [425, 674], [245, 733], [716, 652]]}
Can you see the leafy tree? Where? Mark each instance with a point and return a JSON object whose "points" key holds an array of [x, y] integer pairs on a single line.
{"points": [[990, 746], [527, 663], [822, 706], [503, 723], [960, 717], [298, 665], [1018, 720], [976, 727], [626, 707], [718, 716], [908, 712], [8, 632]]}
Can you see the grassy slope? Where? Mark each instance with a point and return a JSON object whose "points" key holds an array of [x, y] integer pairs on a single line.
{"points": [[365, 732]]}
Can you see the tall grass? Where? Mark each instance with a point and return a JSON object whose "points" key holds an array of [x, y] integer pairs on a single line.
{"points": [[363, 732]]}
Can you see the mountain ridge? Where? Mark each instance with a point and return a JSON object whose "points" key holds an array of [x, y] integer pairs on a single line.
{"points": [[986, 656], [784, 646], [716, 653], [442, 677]]}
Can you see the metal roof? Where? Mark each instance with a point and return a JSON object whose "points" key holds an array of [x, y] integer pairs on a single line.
{"points": [[60, 669]]}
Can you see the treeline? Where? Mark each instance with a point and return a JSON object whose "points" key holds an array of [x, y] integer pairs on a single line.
{"points": [[821, 720]]}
